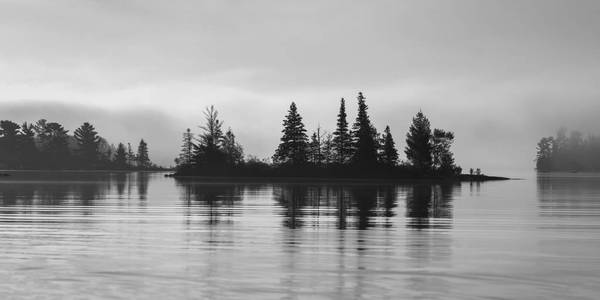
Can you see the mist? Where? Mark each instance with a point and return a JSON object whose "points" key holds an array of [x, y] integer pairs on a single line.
{"points": [[500, 75]]}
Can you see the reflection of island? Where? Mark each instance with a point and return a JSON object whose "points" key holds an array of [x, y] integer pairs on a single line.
{"points": [[360, 207], [215, 201], [429, 206], [568, 195]]}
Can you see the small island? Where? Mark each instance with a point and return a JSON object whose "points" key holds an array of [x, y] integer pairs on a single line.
{"points": [[357, 153], [568, 153]]}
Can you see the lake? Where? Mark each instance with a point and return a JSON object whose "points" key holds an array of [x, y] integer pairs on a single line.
{"points": [[145, 236]]}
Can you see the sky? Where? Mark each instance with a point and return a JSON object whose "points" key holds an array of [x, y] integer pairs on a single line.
{"points": [[500, 74]]}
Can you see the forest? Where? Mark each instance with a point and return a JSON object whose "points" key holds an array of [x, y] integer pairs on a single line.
{"points": [[49, 146], [571, 152], [350, 151]]}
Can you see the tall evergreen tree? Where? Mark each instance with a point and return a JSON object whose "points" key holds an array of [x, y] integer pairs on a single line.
{"points": [[293, 146], [341, 136], [120, 159], [186, 156], [143, 160], [87, 141], [208, 154], [390, 154], [418, 143], [365, 146]]}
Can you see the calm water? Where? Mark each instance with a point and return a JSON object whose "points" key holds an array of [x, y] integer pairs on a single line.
{"points": [[141, 236]]}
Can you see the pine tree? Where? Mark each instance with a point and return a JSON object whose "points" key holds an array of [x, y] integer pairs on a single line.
{"points": [[27, 151], [87, 141], [390, 154], [186, 156], [418, 143], [143, 160], [209, 154], [342, 138], [315, 148], [234, 152], [293, 146], [365, 146], [120, 159], [54, 141], [131, 158]]}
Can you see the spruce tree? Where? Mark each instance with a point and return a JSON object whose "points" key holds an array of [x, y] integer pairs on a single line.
{"points": [[120, 159], [186, 155], [87, 141], [390, 154], [365, 146], [341, 137], [418, 143], [143, 160], [294, 142]]}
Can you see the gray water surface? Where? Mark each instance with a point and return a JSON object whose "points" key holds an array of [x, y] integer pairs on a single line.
{"points": [[144, 236]]}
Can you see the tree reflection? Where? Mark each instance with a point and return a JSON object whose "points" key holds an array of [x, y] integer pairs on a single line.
{"points": [[430, 205], [359, 207], [215, 201]]}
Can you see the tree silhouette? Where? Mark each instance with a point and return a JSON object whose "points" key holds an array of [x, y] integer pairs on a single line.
{"points": [[390, 154], [365, 147], [27, 151], [208, 153], [8, 143], [120, 159], [143, 160], [341, 136], [443, 158], [186, 155], [418, 143], [234, 152], [55, 149], [292, 149], [87, 141]]}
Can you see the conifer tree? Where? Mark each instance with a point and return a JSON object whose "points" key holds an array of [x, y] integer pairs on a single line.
{"points": [[120, 159], [143, 160], [293, 146], [131, 158], [87, 141], [341, 136], [418, 143], [186, 156], [365, 146], [390, 154]]}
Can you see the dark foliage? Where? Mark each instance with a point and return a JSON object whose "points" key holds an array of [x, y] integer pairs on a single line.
{"points": [[48, 145]]}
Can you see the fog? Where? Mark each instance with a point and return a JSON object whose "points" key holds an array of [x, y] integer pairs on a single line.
{"points": [[500, 74]]}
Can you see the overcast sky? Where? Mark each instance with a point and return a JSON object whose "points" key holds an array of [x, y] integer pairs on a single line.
{"points": [[500, 74]]}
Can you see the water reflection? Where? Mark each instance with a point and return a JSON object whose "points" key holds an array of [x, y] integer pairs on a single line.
{"points": [[430, 206], [568, 195], [216, 202]]}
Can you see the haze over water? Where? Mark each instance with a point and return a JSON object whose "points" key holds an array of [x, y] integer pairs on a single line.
{"points": [[141, 235]]}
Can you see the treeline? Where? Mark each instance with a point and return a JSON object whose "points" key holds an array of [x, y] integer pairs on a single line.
{"points": [[572, 152], [47, 145], [357, 151]]}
